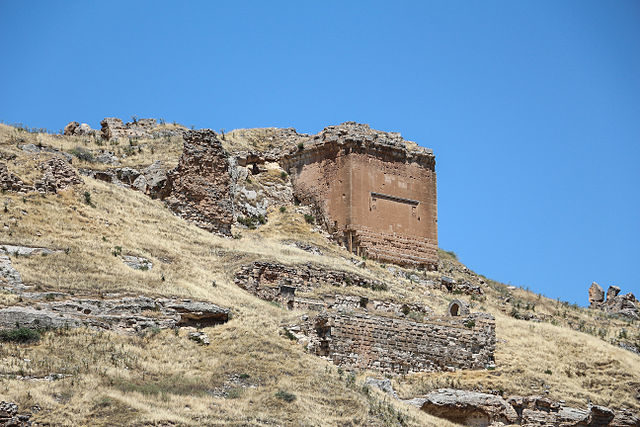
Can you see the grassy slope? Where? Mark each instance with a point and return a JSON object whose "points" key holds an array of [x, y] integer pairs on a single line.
{"points": [[164, 377]]}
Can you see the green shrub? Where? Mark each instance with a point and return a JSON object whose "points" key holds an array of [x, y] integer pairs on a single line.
{"points": [[309, 218], [82, 154], [300, 146], [20, 335], [283, 209], [283, 175], [286, 396]]}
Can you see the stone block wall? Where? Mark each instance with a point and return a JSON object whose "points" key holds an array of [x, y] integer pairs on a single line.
{"points": [[401, 346]]}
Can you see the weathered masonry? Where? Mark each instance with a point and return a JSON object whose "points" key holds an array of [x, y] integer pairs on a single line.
{"points": [[373, 191], [402, 346], [368, 333]]}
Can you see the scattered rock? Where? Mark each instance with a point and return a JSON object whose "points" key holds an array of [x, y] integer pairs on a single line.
{"points": [[137, 263], [382, 385], [9, 416], [481, 409], [199, 337]]}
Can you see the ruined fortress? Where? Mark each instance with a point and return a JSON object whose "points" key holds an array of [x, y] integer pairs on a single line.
{"points": [[371, 192]]}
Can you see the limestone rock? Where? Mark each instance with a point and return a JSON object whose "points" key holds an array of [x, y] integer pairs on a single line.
{"points": [[120, 314], [9, 416], [469, 408], [596, 294], [70, 128], [137, 263], [612, 292], [10, 278], [382, 385], [199, 337]]}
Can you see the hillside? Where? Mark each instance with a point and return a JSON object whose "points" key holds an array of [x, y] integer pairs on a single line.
{"points": [[252, 372]]}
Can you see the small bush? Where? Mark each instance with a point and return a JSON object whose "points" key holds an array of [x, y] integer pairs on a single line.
{"points": [[470, 323], [286, 396], [87, 199], [309, 218], [283, 175], [283, 209], [83, 154], [300, 146], [20, 335], [117, 251], [548, 372]]}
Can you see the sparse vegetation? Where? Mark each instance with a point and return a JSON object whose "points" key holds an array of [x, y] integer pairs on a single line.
{"points": [[285, 395], [19, 335]]}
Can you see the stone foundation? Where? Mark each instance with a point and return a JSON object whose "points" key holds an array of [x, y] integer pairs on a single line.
{"points": [[402, 346]]}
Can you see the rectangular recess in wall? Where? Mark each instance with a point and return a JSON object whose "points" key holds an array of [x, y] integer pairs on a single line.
{"points": [[394, 198]]}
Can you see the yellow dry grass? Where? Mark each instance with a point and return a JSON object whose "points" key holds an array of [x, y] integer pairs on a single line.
{"points": [[161, 377]]}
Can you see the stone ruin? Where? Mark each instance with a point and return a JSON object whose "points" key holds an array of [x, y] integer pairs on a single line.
{"points": [[625, 305], [359, 332], [57, 174], [372, 190]]}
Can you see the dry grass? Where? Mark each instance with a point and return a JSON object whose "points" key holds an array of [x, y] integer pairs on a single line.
{"points": [[167, 378]]}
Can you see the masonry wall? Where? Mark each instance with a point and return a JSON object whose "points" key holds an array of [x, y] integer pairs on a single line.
{"points": [[401, 346], [376, 202]]}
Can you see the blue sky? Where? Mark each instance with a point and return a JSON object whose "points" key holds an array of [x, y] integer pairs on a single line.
{"points": [[532, 108]]}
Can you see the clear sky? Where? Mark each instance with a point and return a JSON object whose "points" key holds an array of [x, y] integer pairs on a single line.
{"points": [[532, 108]]}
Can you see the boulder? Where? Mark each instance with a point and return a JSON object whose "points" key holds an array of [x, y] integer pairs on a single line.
{"points": [[70, 128], [469, 408], [612, 292], [596, 294]]}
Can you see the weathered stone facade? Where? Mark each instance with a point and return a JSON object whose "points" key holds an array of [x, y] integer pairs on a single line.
{"points": [[199, 188], [372, 193]]}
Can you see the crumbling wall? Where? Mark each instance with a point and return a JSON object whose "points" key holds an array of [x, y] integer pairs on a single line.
{"points": [[114, 128], [199, 188], [372, 193], [368, 333], [401, 346]]}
